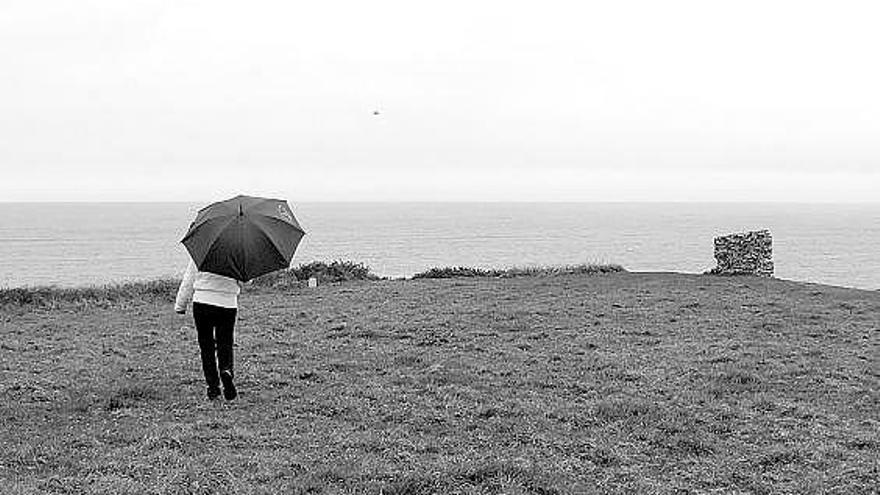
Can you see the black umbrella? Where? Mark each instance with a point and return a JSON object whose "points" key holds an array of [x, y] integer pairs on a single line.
{"points": [[243, 237]]}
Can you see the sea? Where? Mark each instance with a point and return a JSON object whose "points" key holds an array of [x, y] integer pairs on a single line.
{"points": [[78, 244]]}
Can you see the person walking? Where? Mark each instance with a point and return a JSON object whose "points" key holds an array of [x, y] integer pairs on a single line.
{"points": [[231, 242], [214, 308]]}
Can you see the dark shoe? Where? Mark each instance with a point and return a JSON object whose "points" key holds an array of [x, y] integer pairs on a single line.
{"points": [[213, 392], [228, 387]]}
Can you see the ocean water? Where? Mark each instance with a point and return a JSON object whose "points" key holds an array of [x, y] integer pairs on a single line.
{"points": [[73, 244]]}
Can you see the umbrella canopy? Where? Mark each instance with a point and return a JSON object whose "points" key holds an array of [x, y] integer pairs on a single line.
{"points": [[243, 237]]}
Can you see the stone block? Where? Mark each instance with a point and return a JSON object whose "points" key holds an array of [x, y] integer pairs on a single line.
{"points": [[746, 253]]}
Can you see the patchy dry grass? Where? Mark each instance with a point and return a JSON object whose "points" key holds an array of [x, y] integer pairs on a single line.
{"points": [[102, 295], [650, 383]]}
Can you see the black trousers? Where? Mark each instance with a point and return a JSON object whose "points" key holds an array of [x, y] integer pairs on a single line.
{"points": [[215, 326]]}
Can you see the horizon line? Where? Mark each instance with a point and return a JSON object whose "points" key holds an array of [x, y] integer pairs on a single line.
{"points": [[461, 201]]}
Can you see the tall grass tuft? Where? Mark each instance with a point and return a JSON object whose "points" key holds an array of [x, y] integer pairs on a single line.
{"points": [[52, 296], [536, 271]]}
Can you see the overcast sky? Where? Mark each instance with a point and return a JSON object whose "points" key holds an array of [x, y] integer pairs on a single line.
{"points": [[477, 100]]}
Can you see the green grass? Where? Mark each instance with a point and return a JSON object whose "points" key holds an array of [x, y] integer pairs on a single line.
{"points": [[621, 383]]}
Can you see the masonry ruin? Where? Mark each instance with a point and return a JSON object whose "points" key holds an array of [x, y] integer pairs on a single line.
{"points": [[747, 253]]}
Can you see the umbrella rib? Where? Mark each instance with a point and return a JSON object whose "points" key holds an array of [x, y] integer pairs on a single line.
{"points": [[210, 245], [276, 220], [195, 227], [213, 243], [278, 252], [218, 205], [242, 245]]}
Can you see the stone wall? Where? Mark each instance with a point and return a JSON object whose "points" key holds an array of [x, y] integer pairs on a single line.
{"points": [[747, 253]]}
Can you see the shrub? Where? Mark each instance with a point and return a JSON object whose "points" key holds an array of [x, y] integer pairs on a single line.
{"points": [[463, 271], [581, 269], [456, 271], [336, 271]]}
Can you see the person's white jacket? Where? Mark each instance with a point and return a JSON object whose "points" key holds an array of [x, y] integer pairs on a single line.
{"points": [[206, 288]]}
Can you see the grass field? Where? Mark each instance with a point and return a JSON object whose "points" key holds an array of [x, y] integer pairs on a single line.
{"points": [[617, 383]]}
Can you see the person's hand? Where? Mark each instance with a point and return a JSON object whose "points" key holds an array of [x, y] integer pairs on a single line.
{"points": [[178, 314]]}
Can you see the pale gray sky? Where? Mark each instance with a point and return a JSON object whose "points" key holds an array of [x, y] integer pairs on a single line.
{"points": [[478, 100]]}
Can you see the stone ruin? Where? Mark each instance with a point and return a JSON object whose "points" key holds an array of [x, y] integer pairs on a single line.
{"points": [[747, 253]]}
